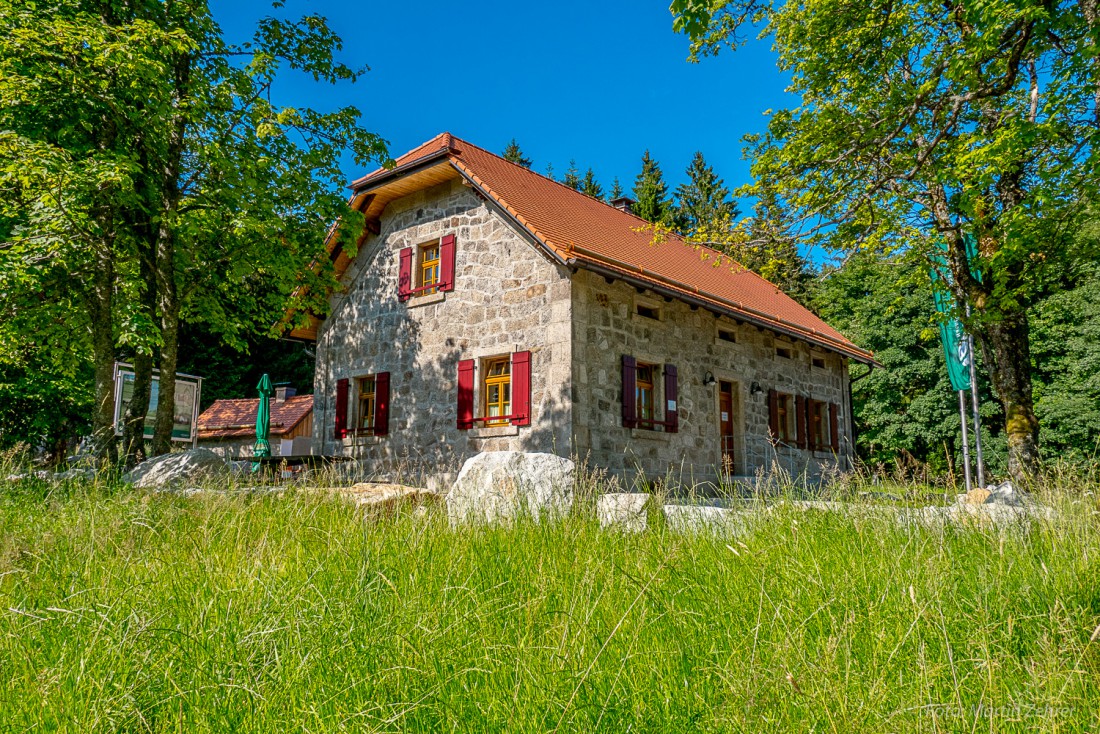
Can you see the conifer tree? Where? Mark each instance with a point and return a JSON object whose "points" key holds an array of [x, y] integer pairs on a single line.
{"points": [[572, 176], [590, 186], [651, 200], [616, 190], [515, 155], [704, 200]]}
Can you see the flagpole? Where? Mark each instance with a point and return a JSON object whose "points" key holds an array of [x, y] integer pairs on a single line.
{"points": [[977, 412], [966, 439]]}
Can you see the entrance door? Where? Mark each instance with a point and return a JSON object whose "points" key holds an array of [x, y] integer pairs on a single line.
{"points": [[725, 424]]}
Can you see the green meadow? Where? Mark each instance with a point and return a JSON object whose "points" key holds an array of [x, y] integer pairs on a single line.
{"points": [[295, 611]]}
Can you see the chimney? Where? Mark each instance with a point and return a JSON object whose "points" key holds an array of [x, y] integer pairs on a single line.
{"points": [[282, 392], [623, 204]]}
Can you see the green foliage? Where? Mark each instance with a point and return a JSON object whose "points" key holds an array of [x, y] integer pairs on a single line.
{"points": [[515, 155], [651, 199], [920, 122], [703, 201], [259, 613], [1065, 348], [907, 415], [590, 186], [148, 173], [572, 177], [616, 190], [233, 373]]}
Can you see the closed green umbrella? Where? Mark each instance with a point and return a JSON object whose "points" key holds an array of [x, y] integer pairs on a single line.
{"points": [[262, 448]]}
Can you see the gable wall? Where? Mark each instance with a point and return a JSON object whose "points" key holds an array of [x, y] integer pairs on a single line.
{"points": [[508, 297], [605, 327]]}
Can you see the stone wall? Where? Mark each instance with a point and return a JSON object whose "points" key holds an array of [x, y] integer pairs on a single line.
{"points": [[508, 296], [606, 326]]}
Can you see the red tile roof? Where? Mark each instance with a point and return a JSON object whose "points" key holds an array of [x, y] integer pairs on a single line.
{"points": [[589, 232], [237, 418]]}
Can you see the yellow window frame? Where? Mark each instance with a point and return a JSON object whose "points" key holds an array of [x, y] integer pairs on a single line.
{"points": [[819, 418], [428, 267], [784, 405], [364, 420], [643, 392], [497, 391]]}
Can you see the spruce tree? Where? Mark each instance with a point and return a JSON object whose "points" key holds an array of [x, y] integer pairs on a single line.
{"points": [[651, 200], [515, 155], [572, 176], [704, 203], [772, 250], [590, 186], [616, 190]]}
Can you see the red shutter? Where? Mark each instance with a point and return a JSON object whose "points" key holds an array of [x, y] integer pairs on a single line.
{"points": [[447, 263], [382, 404], [630, 391], [834, 426], [341, 422], [404, 276], [802, 420], [773, 414], [521, 388], [672, 397], [465, 394]]}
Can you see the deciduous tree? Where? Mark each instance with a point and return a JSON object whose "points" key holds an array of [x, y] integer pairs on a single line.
{"points": [[146, 165], [951, 119]]}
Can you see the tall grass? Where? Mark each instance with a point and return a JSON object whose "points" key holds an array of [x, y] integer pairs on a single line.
{"points": [[125, 611]]}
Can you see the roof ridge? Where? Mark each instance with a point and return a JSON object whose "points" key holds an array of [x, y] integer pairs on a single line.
{"points": [[667, 234], [557, 182]]}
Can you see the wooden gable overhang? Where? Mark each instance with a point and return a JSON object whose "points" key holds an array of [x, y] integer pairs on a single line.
{"points": [[371, 200]]}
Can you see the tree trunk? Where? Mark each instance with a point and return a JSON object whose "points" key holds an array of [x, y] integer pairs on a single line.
{"points": [[1006, 348], [169, 351], [167, 293], [133, 422], [100, 300]]}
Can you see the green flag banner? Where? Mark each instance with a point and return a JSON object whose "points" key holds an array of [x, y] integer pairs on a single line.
{"points": [[956, 347]]}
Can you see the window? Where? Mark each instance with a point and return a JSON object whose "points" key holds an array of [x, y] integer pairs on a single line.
{"points": [[819, 425], [649, 312], [644, 393], [785, 414], [784, 352], [498, 391], [427, 268], [365, 414], [727, 336], [362, 406], [505, 391], [818, 362]]}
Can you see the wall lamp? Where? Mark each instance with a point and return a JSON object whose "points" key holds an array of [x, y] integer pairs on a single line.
{"points": [[755, 388], [708, 379]]}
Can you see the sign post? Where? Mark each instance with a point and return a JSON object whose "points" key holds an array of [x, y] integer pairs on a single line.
{"points": [[186, 413]]}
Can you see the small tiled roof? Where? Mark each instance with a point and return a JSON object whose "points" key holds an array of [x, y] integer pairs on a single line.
{"points": [[237, 418], [586, 231]]}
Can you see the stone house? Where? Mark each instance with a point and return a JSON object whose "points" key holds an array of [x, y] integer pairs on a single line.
{"points": [[228, 427], [490, 308]]}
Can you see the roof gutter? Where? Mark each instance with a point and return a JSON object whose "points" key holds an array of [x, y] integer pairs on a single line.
{"points": [[715, 303]]}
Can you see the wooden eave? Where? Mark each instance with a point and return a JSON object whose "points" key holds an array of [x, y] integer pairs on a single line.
{"points": [[371, 198]]}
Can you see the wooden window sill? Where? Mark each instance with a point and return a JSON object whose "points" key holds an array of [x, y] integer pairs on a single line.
{"points": [[493, 431], [416, 301]]}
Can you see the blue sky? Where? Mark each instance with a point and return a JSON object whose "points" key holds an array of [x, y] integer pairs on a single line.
{"points": [[598, 82]]}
